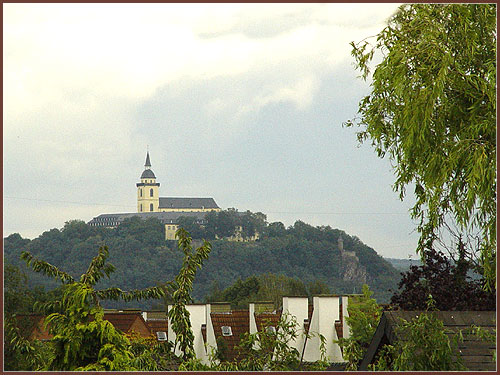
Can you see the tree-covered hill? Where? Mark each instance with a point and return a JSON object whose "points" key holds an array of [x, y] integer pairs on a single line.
{"points": [[144, 258]]}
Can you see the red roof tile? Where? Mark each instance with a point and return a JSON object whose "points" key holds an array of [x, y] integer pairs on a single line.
{"points": [[239, 322], [264, 320], [157, 325], [128, 322], [36, 324]]}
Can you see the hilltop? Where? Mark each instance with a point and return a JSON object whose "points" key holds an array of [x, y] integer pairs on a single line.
{"points": [[144, 258]]}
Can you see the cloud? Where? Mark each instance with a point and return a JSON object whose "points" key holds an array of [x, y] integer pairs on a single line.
{"points": [[77, 54], [243, 102]]}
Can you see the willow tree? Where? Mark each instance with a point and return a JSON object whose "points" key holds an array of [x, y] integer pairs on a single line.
{"points": [[432, 111]]}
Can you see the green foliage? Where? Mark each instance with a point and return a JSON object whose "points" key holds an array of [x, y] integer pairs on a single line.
{"points": [[142, 258], [17, 297], [274, 287], [266, 350], [190, 224], [363, 319], [269, 350], [20, 354], [183, 286], [224, 224], [425, 347], [266, 287], [484, 335], [151, 355], [83, 340], [432, 110], [423, 344]]}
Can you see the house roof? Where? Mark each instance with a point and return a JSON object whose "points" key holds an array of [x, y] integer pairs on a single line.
{"points": [[35, 324], [156, 315], [266, 319], [187, 203], [157, 325], [476, 354], [239, 322], [164, 217], [123, 321]]}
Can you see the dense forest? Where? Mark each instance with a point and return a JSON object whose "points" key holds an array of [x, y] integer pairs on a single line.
{"points": [[310, 255]]}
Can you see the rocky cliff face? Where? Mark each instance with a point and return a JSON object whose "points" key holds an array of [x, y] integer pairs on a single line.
{"points": [[352, 269]]}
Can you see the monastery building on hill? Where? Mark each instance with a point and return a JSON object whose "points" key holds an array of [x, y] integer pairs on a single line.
{"points": [[166, 209]]}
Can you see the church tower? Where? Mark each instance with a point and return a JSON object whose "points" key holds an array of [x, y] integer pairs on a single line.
{"points": [[148, 198]]}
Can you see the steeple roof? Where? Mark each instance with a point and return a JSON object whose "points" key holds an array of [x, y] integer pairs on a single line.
{"points": [[148, 162], [148, 173]]}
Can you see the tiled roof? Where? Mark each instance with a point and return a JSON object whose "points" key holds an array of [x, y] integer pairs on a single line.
{"points": [[239, 322], [264, 320], [36, 322], [123, 321], [157, 325], [188, 203], [156, 314]]}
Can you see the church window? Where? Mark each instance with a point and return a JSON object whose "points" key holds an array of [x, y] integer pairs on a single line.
{"points": [[140, 191], [151, 207], [150, 192], [140, 208]]}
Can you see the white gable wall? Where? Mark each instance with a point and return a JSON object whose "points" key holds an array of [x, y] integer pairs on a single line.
{"points": [[326, 311], [211, 340], [197, 317], [253, 323], [346, 330], [297, 307]]}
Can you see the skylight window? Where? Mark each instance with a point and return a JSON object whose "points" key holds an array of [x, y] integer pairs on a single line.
{"points": [[226, 331], [162, 336]]}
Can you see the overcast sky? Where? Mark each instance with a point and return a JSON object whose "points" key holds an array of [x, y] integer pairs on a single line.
{"points": [[243, 103]]}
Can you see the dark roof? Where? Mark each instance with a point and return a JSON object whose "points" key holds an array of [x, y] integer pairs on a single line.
{"points": [[170, 202], [123, 321], [476, 354], [157, 325], [266, 319], [148, 173], [148, 162], [239, 322], [36, 325], [164, 217]]}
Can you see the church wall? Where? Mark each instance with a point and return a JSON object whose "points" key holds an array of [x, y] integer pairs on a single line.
{"points": [[146, 199]]}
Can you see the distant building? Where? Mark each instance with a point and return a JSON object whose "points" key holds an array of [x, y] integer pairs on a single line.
{"points": [[166, 209], [148, 199]]}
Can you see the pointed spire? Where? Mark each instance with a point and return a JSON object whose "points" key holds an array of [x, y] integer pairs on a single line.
{"points": [[148, 162]]}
